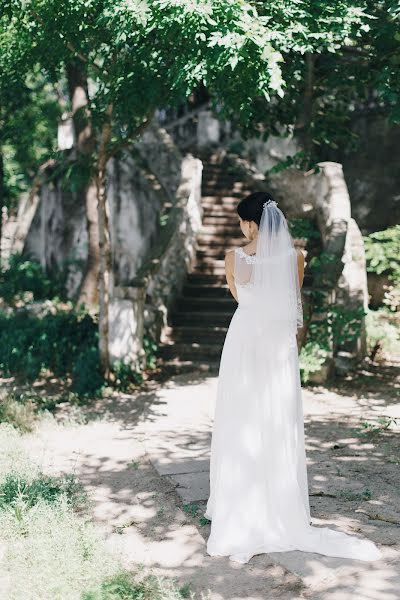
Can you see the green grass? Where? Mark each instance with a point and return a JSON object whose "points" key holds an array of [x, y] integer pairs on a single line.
{"points": [[18, 490], [125, 586], [50, 551]]}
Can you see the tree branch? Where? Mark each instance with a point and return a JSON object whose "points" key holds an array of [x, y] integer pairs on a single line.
{"points": [[70, 46]]}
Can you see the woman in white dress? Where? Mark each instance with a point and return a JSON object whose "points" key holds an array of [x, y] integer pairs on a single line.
{"points": [[258, 499]]}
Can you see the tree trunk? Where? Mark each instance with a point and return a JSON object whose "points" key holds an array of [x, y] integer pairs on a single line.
{"points": [[104, 243], [84, 145]]}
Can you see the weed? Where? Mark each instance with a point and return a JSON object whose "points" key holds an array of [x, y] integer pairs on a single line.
{"points": [[17, 490], [382, 424], [191, 509], [352, 496]]}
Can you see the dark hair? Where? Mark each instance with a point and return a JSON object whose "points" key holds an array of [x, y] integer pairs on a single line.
{"points": [[250, 208]]}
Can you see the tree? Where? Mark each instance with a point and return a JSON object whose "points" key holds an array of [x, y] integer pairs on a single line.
{"points": [[263, 63], [29, 110], [138, 56], [341, 59]]}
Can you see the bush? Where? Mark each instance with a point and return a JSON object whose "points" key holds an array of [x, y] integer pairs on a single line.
{"points": [[383, 334], [125, 375], [382, 251], [87, 379], [64, 343], [303, 228], [312, 357], [24, 275]]}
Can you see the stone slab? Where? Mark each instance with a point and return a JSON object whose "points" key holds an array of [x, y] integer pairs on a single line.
{"points": [[182, 467], [192, 487]]}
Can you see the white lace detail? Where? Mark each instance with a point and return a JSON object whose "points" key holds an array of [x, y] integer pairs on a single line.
{"points": [[249, 259]]}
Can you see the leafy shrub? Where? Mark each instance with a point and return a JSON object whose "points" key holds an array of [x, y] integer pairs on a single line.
{"points": [[150, 347], [382, 251], [312, 357], [333, 327], [64, 342], [383, 333], [24, 275], [304, 228], [125, 375], [87, 379], [299, 160]]}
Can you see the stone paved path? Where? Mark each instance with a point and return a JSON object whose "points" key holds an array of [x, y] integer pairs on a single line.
{"points": [[144, 459], [177, 442]]}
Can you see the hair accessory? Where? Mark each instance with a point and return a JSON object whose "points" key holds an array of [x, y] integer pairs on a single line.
{"points": [[270, 203]]}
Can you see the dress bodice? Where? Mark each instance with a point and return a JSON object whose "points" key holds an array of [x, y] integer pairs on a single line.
{"points": [[244, 288]]}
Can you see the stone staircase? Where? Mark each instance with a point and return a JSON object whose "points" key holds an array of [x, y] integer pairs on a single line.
{"points": [[201, 315]]}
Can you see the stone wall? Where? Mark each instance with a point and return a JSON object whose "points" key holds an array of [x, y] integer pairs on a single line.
{"points": [[142, 306], [154, 196], [138, 186], [372, 171]]}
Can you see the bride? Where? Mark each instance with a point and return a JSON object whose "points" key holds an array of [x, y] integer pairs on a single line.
{"points": [[258, 498]]}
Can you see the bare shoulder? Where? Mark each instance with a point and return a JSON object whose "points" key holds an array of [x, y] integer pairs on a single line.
{"points": [[229, 254]]}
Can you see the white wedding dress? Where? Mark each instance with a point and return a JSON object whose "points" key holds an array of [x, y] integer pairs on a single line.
{"points": [[258, 477]]}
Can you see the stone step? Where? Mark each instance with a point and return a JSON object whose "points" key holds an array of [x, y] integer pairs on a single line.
{"points": [[214, 200], [210, 269], [209, 319], [177, 366], [222, 192], [206, 279], [213, 252], [231, 231], [206, 304], [204, 264], [215, 173], [219, 240], [225, 220], [218, 177], [206, 291], [199, 334], [209, 261], [193, 351], [225, 216]]}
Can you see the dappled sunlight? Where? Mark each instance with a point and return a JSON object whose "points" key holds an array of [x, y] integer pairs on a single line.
{"points": [[167, 432]]}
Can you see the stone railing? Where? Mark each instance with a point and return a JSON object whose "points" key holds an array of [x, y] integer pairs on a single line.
{"points": [[195, 127], [141, 306]]}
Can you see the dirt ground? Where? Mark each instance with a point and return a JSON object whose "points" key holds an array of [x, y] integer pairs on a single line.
{"points": [[353, 457]]}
